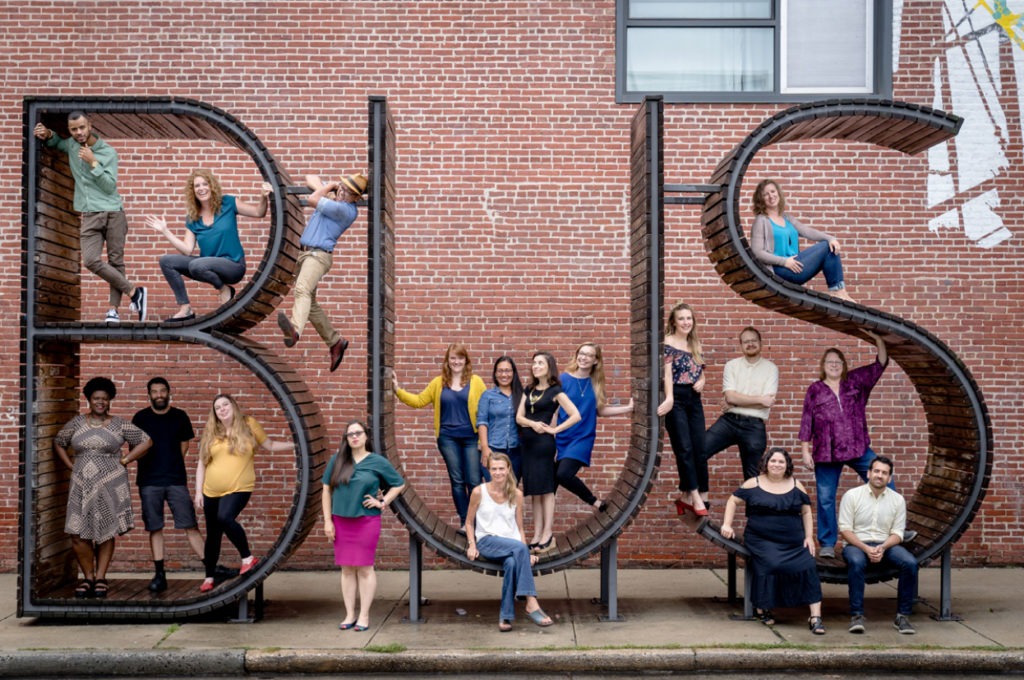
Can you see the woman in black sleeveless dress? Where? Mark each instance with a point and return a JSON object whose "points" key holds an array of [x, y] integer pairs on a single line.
{"points": [[536, 418], [780, 537]]}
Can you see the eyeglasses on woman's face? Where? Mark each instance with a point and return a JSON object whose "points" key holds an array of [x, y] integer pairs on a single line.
{"points": [[355, 433]]}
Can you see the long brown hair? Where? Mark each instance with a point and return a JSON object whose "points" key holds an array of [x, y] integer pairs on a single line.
{"points": [[553, 378], [509, 488], [344, 463], [596, 371], [192, 206], [692, 338], [757, 204], [459, 350], [238, 435]]}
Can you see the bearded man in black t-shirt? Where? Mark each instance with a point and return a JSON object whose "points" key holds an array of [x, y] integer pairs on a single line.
{"points": [[161, 475]]}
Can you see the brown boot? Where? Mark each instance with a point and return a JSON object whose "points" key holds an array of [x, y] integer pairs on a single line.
{"points": [[338, 353], [285, 324]]}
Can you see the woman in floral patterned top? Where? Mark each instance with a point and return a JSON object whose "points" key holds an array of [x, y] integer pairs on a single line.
{"points": [[682, 408]]}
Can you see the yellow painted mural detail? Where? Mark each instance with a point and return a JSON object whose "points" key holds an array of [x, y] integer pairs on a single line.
{"points": [[1006, 19]]}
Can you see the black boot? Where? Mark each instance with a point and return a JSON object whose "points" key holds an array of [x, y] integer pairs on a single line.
{"points": [[159, 582]]}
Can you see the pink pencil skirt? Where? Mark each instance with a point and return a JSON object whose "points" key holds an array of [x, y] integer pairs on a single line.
{"points": [[355, 540]]}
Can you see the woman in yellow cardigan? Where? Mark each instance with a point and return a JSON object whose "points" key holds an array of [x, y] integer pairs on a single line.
{"points": [[454, 395]]}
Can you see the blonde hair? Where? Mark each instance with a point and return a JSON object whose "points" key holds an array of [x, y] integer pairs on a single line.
{"points": [[192, 206], [596, 371], [692, 339], [509, 487], [238, 435]]}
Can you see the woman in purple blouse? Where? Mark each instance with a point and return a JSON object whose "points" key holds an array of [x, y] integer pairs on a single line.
{"points": [[834, 430]]}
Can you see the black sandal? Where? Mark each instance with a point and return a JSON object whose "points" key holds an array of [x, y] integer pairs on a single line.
{"points": [[816, 625], [766, 617], [100, 588], [85, 589]]}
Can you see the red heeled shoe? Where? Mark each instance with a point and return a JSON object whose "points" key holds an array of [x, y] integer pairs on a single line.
{"points": [[682, 507]]}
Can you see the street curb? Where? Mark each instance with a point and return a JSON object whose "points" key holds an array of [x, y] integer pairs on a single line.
{"points": [[115, 662], [286, 662], [238, 662]]}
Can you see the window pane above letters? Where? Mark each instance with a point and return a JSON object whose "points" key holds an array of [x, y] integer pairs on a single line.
{"points": [[701, 59], [700, 9], [752, 51]]}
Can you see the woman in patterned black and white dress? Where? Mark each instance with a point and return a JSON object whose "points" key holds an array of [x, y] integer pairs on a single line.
{"points": [[99, 498]]}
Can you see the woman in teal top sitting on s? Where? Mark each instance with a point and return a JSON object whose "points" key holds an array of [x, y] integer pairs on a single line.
{"points": [[212, 222], [352, 505], [774, 240]]}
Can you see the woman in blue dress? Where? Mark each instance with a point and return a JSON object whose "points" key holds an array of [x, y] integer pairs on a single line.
{"points": [[584, 385], [212, 222], [780, 537]]}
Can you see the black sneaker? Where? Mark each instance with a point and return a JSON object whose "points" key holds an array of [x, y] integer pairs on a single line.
{"points": [[856, 623], [222, 573], [159, 583], [902, 624], [139, 302]]}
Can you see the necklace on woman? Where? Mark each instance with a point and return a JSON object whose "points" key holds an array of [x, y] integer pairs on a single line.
{"points": [[534, 397], [92, 423], [584, 384]]}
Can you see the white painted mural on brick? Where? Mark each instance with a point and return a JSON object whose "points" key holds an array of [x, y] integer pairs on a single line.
{"points": [[967, 80]]}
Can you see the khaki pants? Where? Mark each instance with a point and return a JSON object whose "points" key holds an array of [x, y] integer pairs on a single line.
{"points": [[110, 228], [313, 265]]}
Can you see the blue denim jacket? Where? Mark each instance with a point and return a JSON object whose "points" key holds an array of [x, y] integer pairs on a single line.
{"points": [[498, 413]]}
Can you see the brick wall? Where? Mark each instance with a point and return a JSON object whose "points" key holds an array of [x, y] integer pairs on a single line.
{"points": [[512, 227]]}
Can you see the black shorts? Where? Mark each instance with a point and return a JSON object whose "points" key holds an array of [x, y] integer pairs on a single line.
{"points": [[179, 501]]}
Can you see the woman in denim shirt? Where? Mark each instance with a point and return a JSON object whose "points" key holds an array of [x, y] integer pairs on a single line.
{"points": [[496, 415]]}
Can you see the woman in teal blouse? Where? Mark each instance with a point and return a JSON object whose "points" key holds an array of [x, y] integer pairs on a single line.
{"points": [[352, 504], [212, 223]]}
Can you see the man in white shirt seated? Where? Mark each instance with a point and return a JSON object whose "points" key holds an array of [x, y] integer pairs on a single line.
{"points": [[872, 520]]}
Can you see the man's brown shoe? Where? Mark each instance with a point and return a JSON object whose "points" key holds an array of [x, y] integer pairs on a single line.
{"points": [[338, 353], [285, 324]]}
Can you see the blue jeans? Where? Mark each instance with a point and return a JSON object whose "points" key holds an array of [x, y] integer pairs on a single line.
{"points": [[462, 458], [857, 562], [817, 258], [515, 559], [216, 271], [826, 483]]}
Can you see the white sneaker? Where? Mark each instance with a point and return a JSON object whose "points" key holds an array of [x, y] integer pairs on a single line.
{"points": [[113, 316]]}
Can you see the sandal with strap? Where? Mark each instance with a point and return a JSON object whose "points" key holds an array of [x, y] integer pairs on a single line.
{"points": [[100, 588], [504, 625], [816, 625], [540, 618], [766, 617], [84, 589]]}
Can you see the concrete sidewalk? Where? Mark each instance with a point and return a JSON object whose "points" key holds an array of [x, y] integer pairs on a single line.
{"points": [[673, 620]]}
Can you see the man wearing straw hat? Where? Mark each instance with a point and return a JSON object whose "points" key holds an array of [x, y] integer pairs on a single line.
{"points": [[329, 221]]}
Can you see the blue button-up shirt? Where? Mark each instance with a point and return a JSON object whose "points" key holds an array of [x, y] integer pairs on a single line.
{"points": [[498, 413], [328, 223]]}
